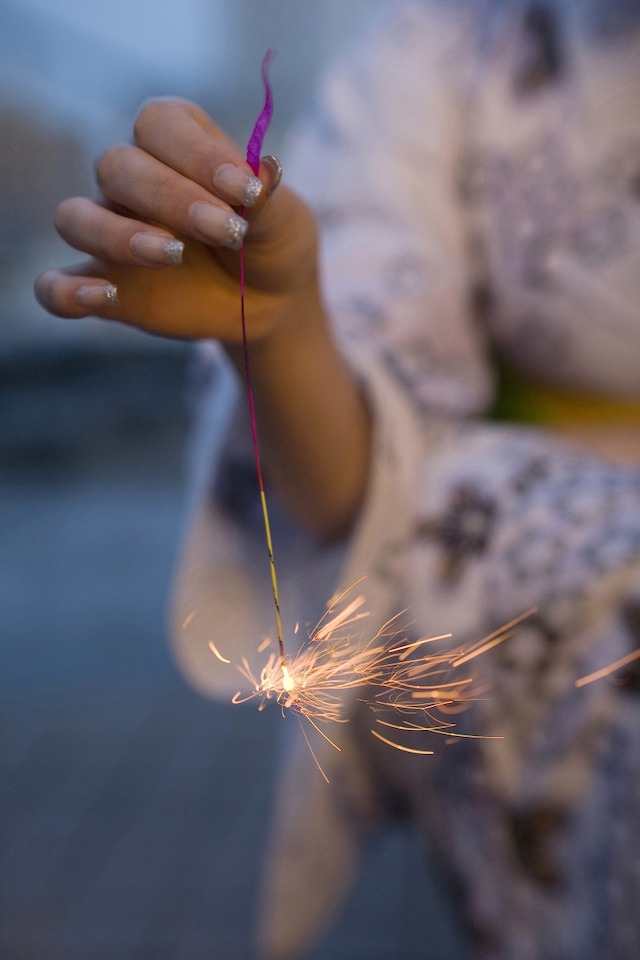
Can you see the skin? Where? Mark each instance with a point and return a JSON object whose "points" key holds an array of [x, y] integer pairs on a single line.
{"points": [[313, 421]]}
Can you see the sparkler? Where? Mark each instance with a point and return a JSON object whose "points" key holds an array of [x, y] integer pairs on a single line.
{"points": [[253, 159], [411, 678]]}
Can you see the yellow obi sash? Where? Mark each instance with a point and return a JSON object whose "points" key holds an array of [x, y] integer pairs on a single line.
{"points": [[534, 403]]}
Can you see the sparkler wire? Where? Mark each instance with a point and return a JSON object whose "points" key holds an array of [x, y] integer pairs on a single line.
{"points": [[253, 159]]}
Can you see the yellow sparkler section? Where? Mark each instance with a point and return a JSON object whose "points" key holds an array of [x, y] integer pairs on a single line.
{"points": [[272, 568]]}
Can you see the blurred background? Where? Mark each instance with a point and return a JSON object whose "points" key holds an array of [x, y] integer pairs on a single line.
{"points": [[133, 812]]}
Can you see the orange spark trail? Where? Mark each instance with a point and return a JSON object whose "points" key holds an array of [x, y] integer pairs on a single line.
{"points": [[409, 677], [609, 669]]}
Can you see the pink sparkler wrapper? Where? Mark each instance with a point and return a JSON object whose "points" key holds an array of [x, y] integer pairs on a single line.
{"points": [[254, 147]]}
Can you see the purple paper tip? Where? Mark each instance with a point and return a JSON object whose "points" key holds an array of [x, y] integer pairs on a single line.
{"points": [[254, 147]]}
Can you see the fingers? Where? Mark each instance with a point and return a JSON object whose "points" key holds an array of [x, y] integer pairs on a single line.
{"points": [[182, 180], [183, 175], [202, 152], [197, 149], [73, 294], [132, 178], [102, 233]]}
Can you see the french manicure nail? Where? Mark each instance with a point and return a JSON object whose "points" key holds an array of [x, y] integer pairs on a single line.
{"points": [[217, 225], [97, 296], [237, 185], [157, 250]]}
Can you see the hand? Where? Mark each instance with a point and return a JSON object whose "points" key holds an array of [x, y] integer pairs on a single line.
{"points": [[166, 232], [182, 180]]}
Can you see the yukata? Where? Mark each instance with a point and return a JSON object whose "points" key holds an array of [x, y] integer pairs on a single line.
{"points": [[475, 167]]}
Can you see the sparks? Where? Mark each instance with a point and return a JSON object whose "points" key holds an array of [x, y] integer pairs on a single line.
{"points": [[411, 683], [609, 669]]}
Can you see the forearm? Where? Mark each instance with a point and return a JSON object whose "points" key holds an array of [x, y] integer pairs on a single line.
{"points": [[313, 421]]}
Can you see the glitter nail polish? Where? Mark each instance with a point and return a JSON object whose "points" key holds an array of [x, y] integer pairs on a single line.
{"points": [[236, 185]]}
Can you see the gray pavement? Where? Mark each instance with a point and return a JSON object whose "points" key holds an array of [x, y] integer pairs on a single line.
{"points": [[133, 812]]}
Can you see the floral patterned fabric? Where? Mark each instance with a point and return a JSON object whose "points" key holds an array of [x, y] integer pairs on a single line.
{"points": [[475, 165]]}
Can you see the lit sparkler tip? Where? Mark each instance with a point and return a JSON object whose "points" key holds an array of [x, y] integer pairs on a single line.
{"points": [[288, 682]]}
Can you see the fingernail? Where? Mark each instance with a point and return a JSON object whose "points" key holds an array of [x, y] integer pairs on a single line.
{"points": [[156, 250], [276, 168], [237, 185], [97, 296], [217, 225]]}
